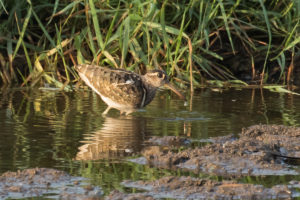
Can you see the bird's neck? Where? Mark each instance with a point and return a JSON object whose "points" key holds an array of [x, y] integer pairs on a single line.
{"points": [[150, 91]]}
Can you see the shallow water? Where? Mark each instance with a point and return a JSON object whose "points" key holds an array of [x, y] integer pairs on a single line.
{"points": [[66, 131]]}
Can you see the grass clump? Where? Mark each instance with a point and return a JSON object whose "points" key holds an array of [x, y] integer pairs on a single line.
{"points": [[193, 41]]}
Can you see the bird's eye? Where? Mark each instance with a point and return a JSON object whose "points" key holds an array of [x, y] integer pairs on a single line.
{"points": [[159, 75]]}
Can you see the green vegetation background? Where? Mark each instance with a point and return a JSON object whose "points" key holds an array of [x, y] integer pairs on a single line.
{"points": [[193, 41]]}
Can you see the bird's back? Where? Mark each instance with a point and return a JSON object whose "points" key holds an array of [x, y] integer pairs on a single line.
{"points": [[118, 88]]}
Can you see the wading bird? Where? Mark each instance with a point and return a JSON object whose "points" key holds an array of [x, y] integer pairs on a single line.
{"points": [[124, 90]]}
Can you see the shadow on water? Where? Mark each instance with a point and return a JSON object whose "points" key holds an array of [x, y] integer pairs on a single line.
{"points": [[45, 128]]}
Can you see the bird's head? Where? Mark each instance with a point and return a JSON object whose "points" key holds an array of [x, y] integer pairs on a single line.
{"points": [[157, 78]]}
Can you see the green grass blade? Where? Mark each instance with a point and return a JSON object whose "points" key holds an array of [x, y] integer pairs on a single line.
{"points": [[179, 38], [296, 41], [96, 24], [59, 42], [27, 57], [165, 36], [138, 52], [28, 45], [110, 58], [43, 29], [78, 42], [111, 26], [125, 41], [225, 19], [279, 89], [20, 40], [54, 11], [10, 54], [292, 44], [211, 53], [65, 9], [168, 29], [281, 62], [269, 34], [3, 7], [22, 77], [203, 65], [90, 41]]}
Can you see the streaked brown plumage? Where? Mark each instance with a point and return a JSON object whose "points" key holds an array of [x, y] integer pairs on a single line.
{"points": [[123, 90]]}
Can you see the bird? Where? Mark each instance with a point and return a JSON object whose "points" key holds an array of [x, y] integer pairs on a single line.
{"points": [[124, 90]]}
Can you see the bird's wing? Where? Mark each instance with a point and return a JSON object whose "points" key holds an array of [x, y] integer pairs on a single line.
{"points": [[119, 85]]}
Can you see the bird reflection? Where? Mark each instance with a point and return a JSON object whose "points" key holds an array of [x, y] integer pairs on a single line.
{"points": [[117, 138]]}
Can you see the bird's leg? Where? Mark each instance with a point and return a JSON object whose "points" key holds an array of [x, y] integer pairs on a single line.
{"points": [[106, 111]]}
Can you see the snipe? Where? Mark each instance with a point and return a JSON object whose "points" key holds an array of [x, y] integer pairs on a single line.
{"points": [[124, 90]]}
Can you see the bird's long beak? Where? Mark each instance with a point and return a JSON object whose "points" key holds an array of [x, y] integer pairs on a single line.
{"points": [[168, 85]]}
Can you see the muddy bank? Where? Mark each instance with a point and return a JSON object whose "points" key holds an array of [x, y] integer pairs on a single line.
{"points": [[194, 188], [259, 150], [45, 182]]}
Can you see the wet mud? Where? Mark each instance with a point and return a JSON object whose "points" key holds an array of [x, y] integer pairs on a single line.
{"points": [[46, 182], [259, 150], [195, 188]]}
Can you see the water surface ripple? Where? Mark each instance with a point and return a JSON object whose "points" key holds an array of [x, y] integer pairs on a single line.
{"points": [[66, 131]]}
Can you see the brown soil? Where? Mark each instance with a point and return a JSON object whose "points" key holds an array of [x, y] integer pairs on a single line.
{"points": [[260, 150], [45, 182], [194, 188]]}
